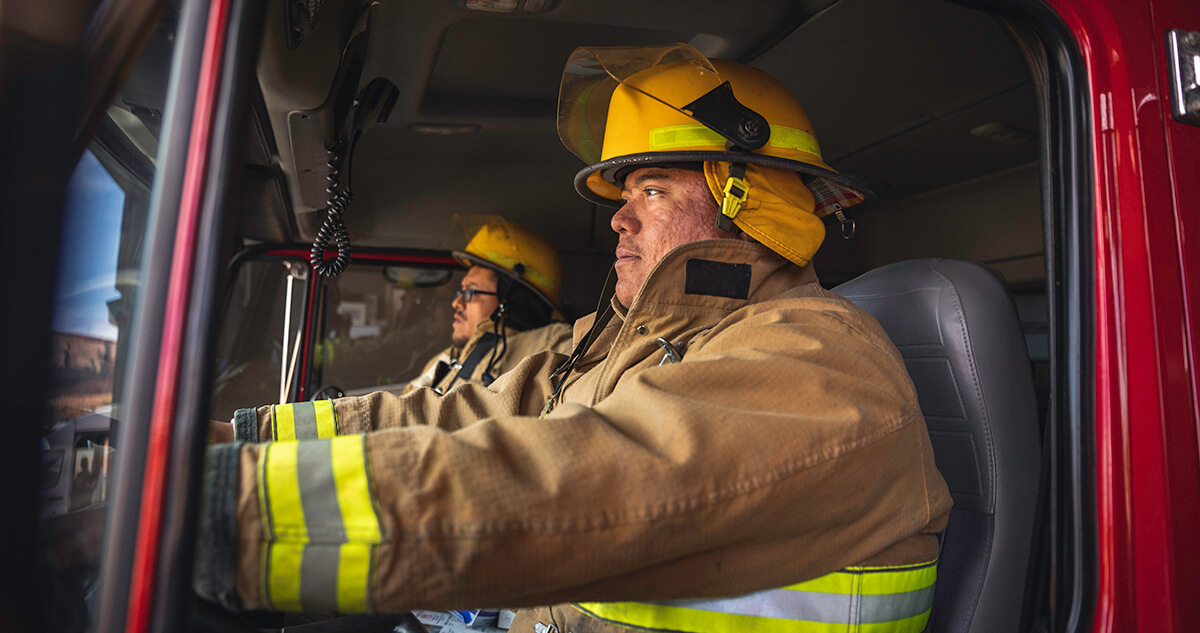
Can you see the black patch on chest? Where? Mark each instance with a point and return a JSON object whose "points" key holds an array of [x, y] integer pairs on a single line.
{"points": [[717, 279]]}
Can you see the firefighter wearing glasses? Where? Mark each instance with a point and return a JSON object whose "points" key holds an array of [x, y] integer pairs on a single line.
{"points": [[728, 448], [505, 310]]}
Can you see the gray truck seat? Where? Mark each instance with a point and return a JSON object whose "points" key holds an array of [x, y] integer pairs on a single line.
{"points": [[956, 326]]}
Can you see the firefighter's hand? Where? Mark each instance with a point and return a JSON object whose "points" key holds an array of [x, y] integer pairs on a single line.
{"points": [[220, 432]]}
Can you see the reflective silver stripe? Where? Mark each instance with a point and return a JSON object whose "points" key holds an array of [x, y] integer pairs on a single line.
{"points": [[318, 577], [318, 492], [895, 606], [813, 606], [326, 530], [773, 603], [305, 416], [321, 523]]}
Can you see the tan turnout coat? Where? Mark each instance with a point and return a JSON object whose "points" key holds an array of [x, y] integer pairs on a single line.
{"points": [[786, 445], [555, 337]]}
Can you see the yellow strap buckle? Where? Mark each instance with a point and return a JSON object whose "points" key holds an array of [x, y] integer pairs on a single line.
{"points": [[735, 192]]}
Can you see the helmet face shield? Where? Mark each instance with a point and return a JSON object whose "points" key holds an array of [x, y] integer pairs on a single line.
{"points": [[465, 227], [592, 75]]}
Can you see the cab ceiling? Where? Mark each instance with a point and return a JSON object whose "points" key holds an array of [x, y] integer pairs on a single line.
{"points": [[893, 89]]}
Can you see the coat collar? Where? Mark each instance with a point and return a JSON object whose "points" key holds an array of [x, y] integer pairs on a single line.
{"points": [[720, 274], [689, 291], [715, 266]]}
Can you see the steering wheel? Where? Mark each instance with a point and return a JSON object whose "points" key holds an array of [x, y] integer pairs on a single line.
{"points": [[333, 392]]}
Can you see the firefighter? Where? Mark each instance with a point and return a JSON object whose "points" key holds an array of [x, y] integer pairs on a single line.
{"points": [[504, 311], [729, 447]]}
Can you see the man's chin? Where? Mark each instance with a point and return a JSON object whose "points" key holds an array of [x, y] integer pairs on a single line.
{"points": [[628, 287]]}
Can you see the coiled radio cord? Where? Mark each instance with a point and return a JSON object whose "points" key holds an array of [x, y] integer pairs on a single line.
{"points": [[333, 231]]}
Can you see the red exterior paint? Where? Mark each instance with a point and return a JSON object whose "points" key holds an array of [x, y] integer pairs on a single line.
{"points": [[1183, 150], [145, 564], [1148, 477]]}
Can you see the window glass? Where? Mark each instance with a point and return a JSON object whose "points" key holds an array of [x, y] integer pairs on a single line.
{"points": [[375, 328], [268, 298], [52, 463], [84, 334], [103, 239], [379, 326]]}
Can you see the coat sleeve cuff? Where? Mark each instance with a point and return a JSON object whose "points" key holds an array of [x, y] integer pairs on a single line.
{"points": [[216, 543], [245, 425]]}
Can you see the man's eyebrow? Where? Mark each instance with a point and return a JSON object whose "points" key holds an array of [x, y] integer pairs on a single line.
{"points": [[650, 175]]}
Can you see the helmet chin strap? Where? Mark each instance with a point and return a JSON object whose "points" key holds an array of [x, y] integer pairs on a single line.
{"points": [[501, 345], [604, 313], [734, 196], [744, 129], [499, 319]]}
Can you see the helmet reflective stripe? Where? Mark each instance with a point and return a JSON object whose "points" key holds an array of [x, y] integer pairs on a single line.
{"points": [[303, 421], [321, 529], [697, 135], [785, 137], [874, 599]]}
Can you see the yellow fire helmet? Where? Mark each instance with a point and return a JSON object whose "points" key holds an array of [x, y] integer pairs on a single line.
{"points": [[511, 250], [623, 108]]}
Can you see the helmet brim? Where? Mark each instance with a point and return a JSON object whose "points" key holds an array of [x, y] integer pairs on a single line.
{"points": [[841, 187]]}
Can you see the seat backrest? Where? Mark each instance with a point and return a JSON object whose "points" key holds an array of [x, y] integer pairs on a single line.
{"points": [[956, 326]]}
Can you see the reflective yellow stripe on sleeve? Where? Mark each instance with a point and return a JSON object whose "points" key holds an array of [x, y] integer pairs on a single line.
{"points": [[283, 581], [283, 422], [326, 418], [283, 524], [321, 525], [355, 499], [303, 420]]}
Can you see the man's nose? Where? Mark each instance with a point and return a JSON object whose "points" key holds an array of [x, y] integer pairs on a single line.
{"points": [[625, 219], [458, 299]]}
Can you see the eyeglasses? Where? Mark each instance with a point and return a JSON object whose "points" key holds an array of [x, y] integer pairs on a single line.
{"points": [[469, 294]]}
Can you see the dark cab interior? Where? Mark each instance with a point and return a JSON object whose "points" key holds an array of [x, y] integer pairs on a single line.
{"points": [[952, 113]]}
